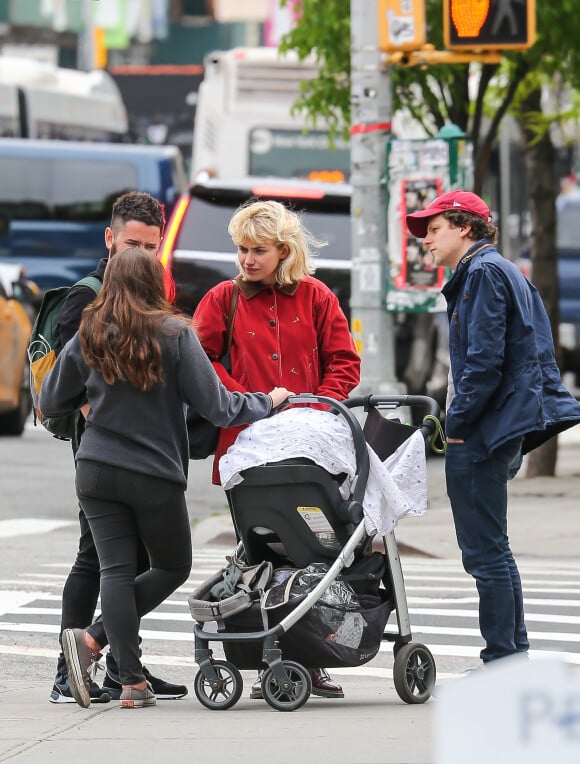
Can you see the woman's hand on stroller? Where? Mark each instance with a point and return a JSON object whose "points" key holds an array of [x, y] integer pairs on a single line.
{"points": [[279, 395]]}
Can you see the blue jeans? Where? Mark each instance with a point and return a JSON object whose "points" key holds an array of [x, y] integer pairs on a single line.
{"points": [[478, 495]]}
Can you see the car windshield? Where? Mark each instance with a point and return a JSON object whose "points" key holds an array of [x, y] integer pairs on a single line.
{"points": [[206, 223]]}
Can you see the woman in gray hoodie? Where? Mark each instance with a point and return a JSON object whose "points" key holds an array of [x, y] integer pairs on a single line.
{"points": [[135, 367]]}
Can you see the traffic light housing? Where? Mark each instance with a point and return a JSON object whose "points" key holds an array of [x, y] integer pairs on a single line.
{"points": [[489, 24]]}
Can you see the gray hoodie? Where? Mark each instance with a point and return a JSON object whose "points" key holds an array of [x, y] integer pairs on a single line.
{"points": [[146, 431]]}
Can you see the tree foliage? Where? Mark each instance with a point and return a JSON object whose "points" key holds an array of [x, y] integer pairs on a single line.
{"points": [[436, 95], [439, 94]]}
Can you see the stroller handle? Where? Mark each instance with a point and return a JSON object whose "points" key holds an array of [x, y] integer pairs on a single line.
{"points": [[395, 401]]}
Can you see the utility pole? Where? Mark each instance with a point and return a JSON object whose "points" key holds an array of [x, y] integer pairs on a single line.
{"points": [[371, 106], [85, 39]]}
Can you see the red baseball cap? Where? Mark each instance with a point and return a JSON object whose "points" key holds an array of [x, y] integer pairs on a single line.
{"points": [[467, 201]]}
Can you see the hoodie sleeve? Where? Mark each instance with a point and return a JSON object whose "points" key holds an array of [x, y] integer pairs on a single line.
{"points": [[203, 391], [63, 389]]}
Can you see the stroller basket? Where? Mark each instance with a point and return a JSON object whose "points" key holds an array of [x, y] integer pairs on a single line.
{"points": [[343, 628], [327, 635]]}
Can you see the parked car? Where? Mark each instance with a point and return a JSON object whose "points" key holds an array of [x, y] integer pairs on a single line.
{"points": [[199, 253], [15, 328], [56, 199]]}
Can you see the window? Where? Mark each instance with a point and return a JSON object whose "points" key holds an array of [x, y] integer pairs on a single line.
{"points": [[34, 188], [206, 223]]}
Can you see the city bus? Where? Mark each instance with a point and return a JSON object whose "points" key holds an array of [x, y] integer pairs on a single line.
{"points": [[244, 125], [39, 100]]}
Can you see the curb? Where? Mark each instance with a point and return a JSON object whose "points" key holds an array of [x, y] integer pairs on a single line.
{"points": [[217, 530]]}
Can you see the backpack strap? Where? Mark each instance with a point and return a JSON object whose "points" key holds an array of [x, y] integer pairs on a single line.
{"points": [[93, 282], [231, 315]]}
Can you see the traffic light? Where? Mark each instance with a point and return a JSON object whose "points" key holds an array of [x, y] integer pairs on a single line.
{"points": [[489, 24]]}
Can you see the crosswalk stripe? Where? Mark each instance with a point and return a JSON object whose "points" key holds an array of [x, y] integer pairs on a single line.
{"points": [[438, 591], [530, 616], [468, 632]]}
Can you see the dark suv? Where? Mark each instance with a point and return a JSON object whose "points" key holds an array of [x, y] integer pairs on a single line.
{"points": [[199, 252]]}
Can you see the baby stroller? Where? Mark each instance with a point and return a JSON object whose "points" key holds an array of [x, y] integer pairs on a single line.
{"points": [[304, 588]]}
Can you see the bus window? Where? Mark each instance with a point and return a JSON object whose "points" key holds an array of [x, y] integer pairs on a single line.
{"points": [[295, 154], [38, 100], [9, 119], [244, 125]]}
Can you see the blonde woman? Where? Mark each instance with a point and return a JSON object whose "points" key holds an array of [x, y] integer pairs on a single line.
{"points": [[289, 329]]}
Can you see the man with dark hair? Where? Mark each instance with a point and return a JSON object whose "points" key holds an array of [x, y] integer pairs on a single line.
{"points": [[137, 220], [505, 398]]}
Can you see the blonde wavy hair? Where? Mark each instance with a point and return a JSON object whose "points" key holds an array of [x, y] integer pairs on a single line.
{"points": [[270, 222]]}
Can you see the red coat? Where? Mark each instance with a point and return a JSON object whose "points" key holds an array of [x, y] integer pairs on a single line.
{"points": [[295, 337]]}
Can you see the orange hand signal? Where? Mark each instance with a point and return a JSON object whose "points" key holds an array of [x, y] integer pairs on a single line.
{"points": [[469, 16]]}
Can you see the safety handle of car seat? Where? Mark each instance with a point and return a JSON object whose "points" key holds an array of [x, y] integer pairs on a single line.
{"points": [[359, 483]]}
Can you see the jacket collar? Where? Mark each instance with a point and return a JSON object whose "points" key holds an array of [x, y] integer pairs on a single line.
{"points": [[252, 288], [463, 266], [478, 247]]}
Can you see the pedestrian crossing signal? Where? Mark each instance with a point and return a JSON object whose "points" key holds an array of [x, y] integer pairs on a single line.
{"points": [[489, 24]]}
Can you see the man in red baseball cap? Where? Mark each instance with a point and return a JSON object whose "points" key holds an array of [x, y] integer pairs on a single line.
{"points": [[467, 204], [505, 398]]}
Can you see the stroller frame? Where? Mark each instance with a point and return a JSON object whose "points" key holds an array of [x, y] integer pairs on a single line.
{"points": [[286, 685]]}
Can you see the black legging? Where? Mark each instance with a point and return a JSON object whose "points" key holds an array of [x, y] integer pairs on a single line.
{"points": [[122, 507], [81, 591]]}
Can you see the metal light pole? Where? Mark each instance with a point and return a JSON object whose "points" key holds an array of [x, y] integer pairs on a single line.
{"points": [[371, 105], [85, 40]]}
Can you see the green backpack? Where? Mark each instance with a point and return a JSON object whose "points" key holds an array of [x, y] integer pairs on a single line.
{"points": [[43, 350]]}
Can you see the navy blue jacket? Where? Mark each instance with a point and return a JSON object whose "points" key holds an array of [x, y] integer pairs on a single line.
{"points": [[507, 383]]}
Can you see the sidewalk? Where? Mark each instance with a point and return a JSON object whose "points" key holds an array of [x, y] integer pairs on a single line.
{"points": [[543, 522], [543, 513], [371, 725]]}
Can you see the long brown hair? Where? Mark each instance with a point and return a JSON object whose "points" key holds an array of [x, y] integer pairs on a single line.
{"points": [[119, 330]]}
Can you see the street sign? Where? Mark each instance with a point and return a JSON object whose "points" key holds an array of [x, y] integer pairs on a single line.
{"points": [[401, 24], [489, 24]]}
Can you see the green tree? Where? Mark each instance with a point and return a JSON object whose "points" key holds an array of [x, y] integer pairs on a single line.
{"points": [[440, 94]]}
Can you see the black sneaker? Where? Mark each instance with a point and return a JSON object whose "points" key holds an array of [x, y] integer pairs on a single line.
{"points": [[163, 690], [61, 692]]}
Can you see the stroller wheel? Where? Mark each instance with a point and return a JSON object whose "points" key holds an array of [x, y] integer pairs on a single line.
{"points": [[287, 698], [414, 673], [224, 693]]}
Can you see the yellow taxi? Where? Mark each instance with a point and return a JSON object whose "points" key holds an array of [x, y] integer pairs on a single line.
{"points": [[15, 328]]}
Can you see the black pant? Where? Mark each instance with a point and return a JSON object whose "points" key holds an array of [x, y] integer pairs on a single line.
{"points": [[122, 507], [82, 586]]}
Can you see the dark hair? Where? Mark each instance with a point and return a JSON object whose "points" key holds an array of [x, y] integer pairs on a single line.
{"points": [[137, 205], [480, 228], [119, 330]]}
